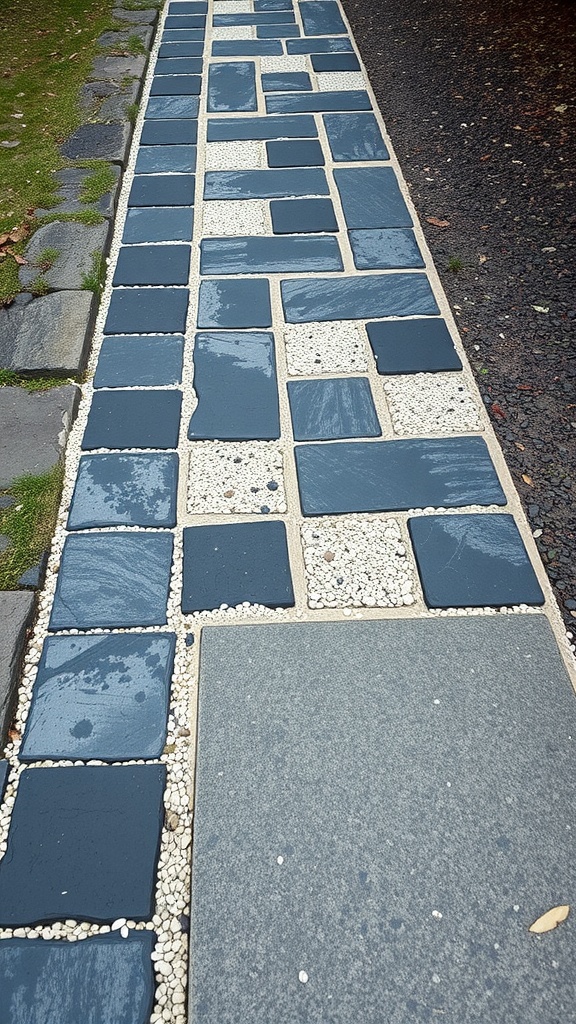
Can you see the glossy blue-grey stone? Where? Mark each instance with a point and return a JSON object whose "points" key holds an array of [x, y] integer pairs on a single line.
{"points": [[140, 360], [412, 346], [173, 132], [232, 86], [371, 198], [276, 255], [162, 190], [352, 779], [289, 81], [100, 697], [295, 153], [235, 563], [321, 45], [125, 490], [235, 382], [323, 410], [197, 21], [277, 31], [346, 99], [357, 298], [273, 5], [176, 85], [159, 224], [335, 62], [354, 137], [178, 35], [231, 129], [133, 419], [102, 979], [188, 48], [113, 580], [292, 216], [322, 18], [145, 264], [155, 159], [4, 769], [228, 303], [178, 66], [192, 7], [385, 248], [83, 844], [246, 48], [264, 18], [268, 184], [473, 561], [147, 311], [388, 476], [167, 107]]}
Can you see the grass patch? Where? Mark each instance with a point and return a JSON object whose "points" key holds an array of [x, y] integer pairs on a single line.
{"points": [[29, 523], [135, 46], [47, 259], [131, 112], [455, 264], [39, 286], [97, 184], [9, 379], [94, 280]]}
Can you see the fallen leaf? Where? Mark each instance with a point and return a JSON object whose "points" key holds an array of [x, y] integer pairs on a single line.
{"points": [[497, 410], [482, 259], [550, 920], [541, 309], [520, 446], [525, 387], [527, 479], [19, 232], [19, 259], [438, 223], [486, 157]]}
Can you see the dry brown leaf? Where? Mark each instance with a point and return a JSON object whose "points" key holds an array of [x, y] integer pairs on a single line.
{"points": [[527, 479], [550, 920], [4, 238], [520, 446], [19, 259], [482, 259], [19, 232], [438, 223]]}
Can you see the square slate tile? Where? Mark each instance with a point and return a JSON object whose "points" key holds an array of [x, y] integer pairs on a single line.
{"points": [[236, 563], [125, 490], [354, 137], [357, 298], [147, 311], [412, 346], [113, 580], [161, 159], [144, 264], [235, 304], [296, 216], [473, 561], [159, 224], [385, 249], [232, 86], [276, 255], [323, 410], [187, 48], [320, 45], [302, 153], [161, 108], [126, 361], [246, 48], [177, 131], [269, 184], [321, 18], [296, 103], [133, 419], [230, 129], [335, 62], [178, 66], [235, 382], [277, 31], [162, 190], [109, 977], [389, 476], [100, 697], [371, 198], [83, 844], [290, 81]]}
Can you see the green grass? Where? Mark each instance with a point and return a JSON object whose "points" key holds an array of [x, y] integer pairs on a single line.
{"points": [[455, 264], [97, 184], [94, 281], [29, 523], [9, 379], [47, 258], [135, 46], [39, 286]]}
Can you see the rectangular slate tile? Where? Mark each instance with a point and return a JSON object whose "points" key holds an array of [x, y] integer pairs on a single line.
{"points": [[412, 346], [353, 730], [293, 216], [371, 198], [357, 298], [147, 311], [232, 86], [133, 419], [327, 409], [354, 137], [144, 264], [178, 66], [260, 255], [197, 21], [180, 7], [297, 153], [269, 184], [139, 361], [273, 5], [176, 85], [67, 977], [235, 382], [321, 45], [290, 81], [111, 580], [125, 490], [187, 48], [236, 128], [162, 190], [235, 563], [234, 304], [322, 18], [83, 844], [162, 159], [180, 35], [159, 224], [264, 18], [473, 561], [350, 99], [100, 697], [385, 248], [388, 476], [246, 48], [335, 62], [161, 108], [277, 31], [182, 131]]}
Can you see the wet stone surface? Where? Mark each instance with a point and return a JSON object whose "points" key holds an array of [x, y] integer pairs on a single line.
{"points": [[125, 490]]}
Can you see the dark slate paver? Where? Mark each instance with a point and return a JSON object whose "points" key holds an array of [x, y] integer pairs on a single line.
{"points": [[321, 18], [33, 430], [307, 153], [101, 979], [159, 224], [335, 62], [235, 563], [288, 81], [161, 108], [103, 697], [371, 198], [393, 475], [357, 298], [113, 580], [262, 18], [412, 346], [176, 85], [473, 560], [291, 216], [267, 184], [140, 264], [83, 844], [246, 48], [319, 45], [125, 490], [148, 361], [295, 103], [16, 614], [232, 86], [165, 159], [235, 304], [183, 35], [187, 48], [354, 136], [233, 128], [174, 131], [277, 31], [328, 409], [133, 419], [389, 813], [147, 311], [235, 382], [277, 255], [178, 65], [162, 190], [385, 249]]}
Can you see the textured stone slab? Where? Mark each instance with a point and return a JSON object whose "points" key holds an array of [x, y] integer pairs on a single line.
{"points": [[327, 409], [386, 476], [354, 136], [295, 103], [230, 129], [119, 40], [174, 65], [302, 215], [232, 86], [320, 45], [236, 304], [126, 361], [147, 311], [268, 184], [169, 133], [385, 249], [56, 982], [322, 18], [187, 48], [166, 107], [280, 255], [263, 18], [103, 697], [277, 32], [16, 611], [246, 48], [176, 85], [180, 35], [193, 21], [133, 419], [335, 62], [125, 490], [412, 346], [115, 108], [71, 182], [371, 198], [306, 153], [136, 17], [390, 812], [75, 244], [357, 298], [139, 264], [83, 844], [33, 430], [99, 142], [165, 159], [159, 224], [162, 190], [289, 81], [50, 334]]}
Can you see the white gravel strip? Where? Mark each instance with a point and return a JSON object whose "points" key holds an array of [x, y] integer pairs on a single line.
{"points": [[293, 62], [233, 31], [334, 347], [236, 477], [235, 217], [334, 81], [244, 155], [438, 403]]}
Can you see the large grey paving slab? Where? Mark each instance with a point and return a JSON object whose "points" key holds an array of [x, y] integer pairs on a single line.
{"points": [[75, 244], [50, 334], [33, 430], [71, 181], [386, 806], [99, 142], [16, 610]]}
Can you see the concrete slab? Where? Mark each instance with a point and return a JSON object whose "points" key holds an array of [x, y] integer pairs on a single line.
{"points": [[34, 429], [16, 610], [50, 334], [75, 243]]}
